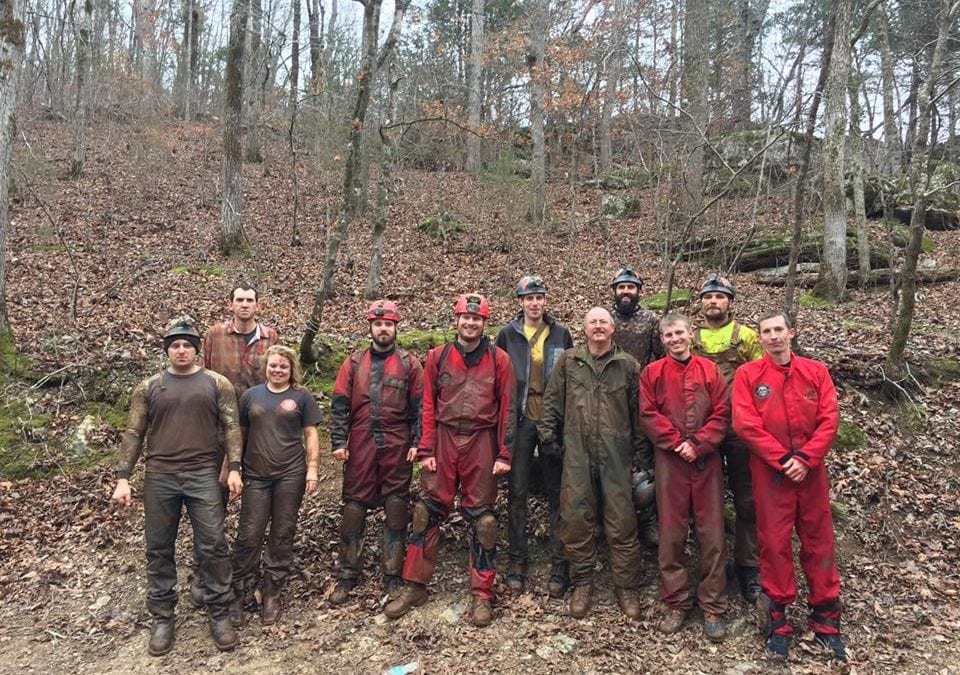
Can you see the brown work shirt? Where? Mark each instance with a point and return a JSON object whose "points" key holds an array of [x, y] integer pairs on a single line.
{"points": [[238, 356]]}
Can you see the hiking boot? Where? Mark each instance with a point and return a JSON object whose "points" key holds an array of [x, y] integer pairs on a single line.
{"points": [[413, 595], [481, 613], [778, 646], [650, 536], [834, 643], [629, 600], [749, 578], [161, 636], [224, 634], [516, 583], [671, 621], [341, 592], [714, 627], [580, 601], [393, 586], [559, 580], [198, 593], [235, 612], [270, 605]]}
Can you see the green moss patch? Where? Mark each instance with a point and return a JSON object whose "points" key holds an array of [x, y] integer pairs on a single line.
{"points": [[850, 436], [658, 302]]}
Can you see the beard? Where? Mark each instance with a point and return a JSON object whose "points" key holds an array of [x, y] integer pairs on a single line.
{"points": [[627, 304], [383, 341]]}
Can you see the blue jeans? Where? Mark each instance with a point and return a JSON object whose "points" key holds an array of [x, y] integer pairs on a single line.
{"points": [[164, 496]]}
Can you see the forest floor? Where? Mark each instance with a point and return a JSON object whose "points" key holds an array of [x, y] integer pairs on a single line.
{"points": [[97, 266]]}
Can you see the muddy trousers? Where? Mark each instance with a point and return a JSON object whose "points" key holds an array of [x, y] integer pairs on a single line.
{"points": [[518, 501], [593, 488], [353, 525], [164, 497], [783, 506], [267, 501], [686, 490], [737, 459]]}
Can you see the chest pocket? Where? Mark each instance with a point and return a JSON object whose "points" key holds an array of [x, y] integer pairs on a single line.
{"points": [[394, 392]]}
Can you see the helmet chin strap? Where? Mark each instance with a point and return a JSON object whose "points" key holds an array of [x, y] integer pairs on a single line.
{"points": [[629, 309]]}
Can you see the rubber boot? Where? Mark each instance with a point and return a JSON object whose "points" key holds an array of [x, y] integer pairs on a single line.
{"points": [[270, 606]]}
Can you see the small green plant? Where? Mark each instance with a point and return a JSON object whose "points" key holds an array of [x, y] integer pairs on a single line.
{"points": [[658, 302], [213, 270], [811, 301], [180, 270], [441, 226], [850, 436]]}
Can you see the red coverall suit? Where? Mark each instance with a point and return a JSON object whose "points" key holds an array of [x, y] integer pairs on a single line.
{"points": [[376, 416], [467, 425], [688, 402], [782, 412]]}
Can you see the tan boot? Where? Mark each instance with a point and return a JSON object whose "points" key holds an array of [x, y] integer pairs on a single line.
{"points": [[580, 601], [341, 593], [413, 595], [481, 613], [671, 621], [629, 601]]}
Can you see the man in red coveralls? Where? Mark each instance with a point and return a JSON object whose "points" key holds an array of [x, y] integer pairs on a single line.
{"points": [[684, 411], [466, 439], [785, 410], [374, 431]]}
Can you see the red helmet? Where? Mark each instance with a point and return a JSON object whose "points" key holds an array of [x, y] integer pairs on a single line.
{"points": [[383, 309], [472, 303]]}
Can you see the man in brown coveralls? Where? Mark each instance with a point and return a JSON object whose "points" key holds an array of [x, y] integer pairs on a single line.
{"points": [[176, 414]]}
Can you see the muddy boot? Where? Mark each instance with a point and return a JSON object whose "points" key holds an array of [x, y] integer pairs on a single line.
{"points": [[833, 643], [224, 634], [629, 601], [341, 593], [671, 621], [198, 592], [559, 580], [413, 595], [392, 586], [270, 606], [161, 636], [235, 610], [580, 601], [714, 627], [749, 579], [517, 577], [481, 613]]}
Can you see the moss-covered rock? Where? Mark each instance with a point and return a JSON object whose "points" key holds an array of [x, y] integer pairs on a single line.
{"points": [[441, 226], [615, 207], [621, 179], [658, 302], [943, 202], [739, 147], [850, 436]]}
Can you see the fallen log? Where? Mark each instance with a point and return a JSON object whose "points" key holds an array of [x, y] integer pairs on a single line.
{"points": [[807, 278]]}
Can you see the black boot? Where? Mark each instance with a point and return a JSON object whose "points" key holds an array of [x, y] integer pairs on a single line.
{"points": [[161, 636], [270, 606], [224, 634], [559, 580], [749, 578]]}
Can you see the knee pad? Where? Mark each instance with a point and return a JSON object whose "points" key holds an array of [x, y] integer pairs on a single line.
{"points": [[354, 517], [422, 517], [397, 512], [486, 526]]}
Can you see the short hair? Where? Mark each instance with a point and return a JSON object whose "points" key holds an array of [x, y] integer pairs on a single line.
{"points": [[773, 314], [241, 286], [296, 373], [675, 317], [606, 311]]}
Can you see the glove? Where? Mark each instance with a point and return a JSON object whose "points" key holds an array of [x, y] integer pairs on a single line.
{"points": [[551, 449]]}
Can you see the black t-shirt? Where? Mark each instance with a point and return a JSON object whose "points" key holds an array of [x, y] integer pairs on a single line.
{"points": [[275, 424]]}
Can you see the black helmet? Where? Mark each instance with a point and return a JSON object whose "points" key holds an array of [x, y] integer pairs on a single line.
{"points": [[183, 328], [626, 276], [718, 284], [531, 285]]}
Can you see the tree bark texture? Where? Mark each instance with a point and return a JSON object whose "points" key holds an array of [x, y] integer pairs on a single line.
{"points": [[694, 97], [11, 57], [233, 239], [387, 158], [856, 179], [474, 79], [833, 269], [82, 107], [254, 78], [536, 62], [315, 22], [891, 130]]}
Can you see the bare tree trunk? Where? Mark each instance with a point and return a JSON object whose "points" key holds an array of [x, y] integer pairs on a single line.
{"points": [[749, 22], [144, 16], [694, 97], [294, 95], [372, 290], [799, 194], [919, 184], [82, 108], [536, 56], [856, 171], [891, 130], [254, 75], [11, 58], [474, 80], [337, 231], [189, 59], [611, 69], [832, 281], [315, 21], [233, 239]]}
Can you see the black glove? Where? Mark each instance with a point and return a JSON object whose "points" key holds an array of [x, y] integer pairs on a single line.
{"points": [[551, 449]]}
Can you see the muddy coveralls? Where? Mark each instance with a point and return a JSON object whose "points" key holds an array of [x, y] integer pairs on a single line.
{"points": [[730, 346], [376, 416], [467, 425], [688, 402], [782, 412], [593, 403]]}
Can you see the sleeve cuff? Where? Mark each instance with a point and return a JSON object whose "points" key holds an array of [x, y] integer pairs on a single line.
{"points": [[123, 474], [235, 466]]}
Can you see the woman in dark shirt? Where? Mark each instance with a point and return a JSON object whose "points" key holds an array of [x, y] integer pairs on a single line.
{"points": [[281, 452]]}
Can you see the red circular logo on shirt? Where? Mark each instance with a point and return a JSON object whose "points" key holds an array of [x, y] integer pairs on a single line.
{"points": [[288, 404]]}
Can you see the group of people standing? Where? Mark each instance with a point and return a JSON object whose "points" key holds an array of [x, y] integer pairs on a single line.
{"points": [[656, 400]]}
